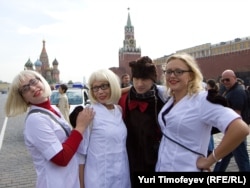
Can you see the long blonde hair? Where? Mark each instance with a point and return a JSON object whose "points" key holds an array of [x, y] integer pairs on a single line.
{"points": [[195, 85]]}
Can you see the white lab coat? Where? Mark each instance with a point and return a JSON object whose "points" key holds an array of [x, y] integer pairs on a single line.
{"points": [[189, 122], [105, 148], [43, 138]]}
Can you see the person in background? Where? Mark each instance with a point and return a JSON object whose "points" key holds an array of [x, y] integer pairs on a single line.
{"points": [[241, 83], [213, 93], [248, 88], [187, 118], [125, 80], [104, 145], [52, 87], [141, 105], [63, 103], [221, 87], [237, 100], [45, 132]]}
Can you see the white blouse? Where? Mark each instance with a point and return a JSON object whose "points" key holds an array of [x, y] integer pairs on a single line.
{"points": [[105, 148], [43, 138], [189, 122]]}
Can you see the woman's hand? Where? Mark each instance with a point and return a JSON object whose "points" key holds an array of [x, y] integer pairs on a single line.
{"points": [[203, 164], [84, 118]]}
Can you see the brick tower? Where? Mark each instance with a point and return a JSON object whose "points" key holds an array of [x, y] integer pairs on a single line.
{"points": [[129, 51]]}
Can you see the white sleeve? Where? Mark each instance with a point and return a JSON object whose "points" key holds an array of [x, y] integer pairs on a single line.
{"points": [[83, 148]]}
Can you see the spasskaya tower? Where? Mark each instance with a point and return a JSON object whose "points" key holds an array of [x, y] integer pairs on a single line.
{"points": [[129, 51]]}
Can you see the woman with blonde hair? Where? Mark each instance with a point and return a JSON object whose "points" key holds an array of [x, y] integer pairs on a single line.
{"points": [[187, 118], [47, 135], [104, 145]]}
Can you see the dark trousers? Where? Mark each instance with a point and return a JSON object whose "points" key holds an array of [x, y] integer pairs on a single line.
{"points": [[241, 158]]}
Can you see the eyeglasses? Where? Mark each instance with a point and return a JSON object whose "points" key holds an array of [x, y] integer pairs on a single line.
{"points": [[103, 87], [25, 88], [225, 80], [177, 72]]}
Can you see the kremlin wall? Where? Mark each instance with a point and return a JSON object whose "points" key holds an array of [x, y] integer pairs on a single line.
{"points": [[214, 59]]}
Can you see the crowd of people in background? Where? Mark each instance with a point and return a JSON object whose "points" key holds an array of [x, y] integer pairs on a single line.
{"points": [[133, 124], [237, 99], [212, 89]]}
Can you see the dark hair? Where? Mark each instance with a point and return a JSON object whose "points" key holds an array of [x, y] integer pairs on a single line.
{"points": [[73, 115], [126, 74], [143, 68], [212, 84], [64, 87]]}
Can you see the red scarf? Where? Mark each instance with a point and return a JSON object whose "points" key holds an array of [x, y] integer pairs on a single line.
{"points": [[47, 106]]}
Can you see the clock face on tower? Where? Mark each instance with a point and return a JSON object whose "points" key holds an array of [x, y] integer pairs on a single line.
{"points": [[131, 42]]}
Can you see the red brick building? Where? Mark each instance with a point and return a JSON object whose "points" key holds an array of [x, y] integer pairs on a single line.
{"points": [[213, 66]]}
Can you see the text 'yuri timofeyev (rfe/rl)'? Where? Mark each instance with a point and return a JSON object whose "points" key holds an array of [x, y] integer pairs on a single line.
{"points": [[195, 179]]}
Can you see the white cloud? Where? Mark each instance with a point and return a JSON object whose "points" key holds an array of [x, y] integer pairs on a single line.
{"points": [[86, 35]]}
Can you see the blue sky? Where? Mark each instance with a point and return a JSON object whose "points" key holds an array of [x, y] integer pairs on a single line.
{"points": [[85, 35]]}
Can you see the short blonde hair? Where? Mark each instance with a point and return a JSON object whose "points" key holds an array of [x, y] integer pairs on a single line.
{"points": [[195, 85], [15, 104], [112, 79]]}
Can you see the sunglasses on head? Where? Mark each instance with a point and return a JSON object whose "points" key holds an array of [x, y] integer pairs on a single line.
{"points": [[225, 80]]}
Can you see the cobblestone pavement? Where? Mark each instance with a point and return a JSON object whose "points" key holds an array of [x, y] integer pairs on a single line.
{"points": [[16, 167], [15, 162]]}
